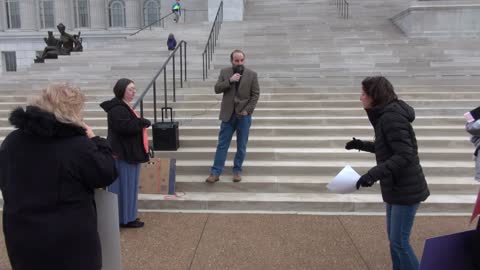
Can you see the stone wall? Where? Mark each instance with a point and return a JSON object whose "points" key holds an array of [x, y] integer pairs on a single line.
{"points": [[440, 18], [232, 9]]}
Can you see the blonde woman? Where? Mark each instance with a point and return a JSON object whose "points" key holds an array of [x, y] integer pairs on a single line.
{"points": [[49, 167]]}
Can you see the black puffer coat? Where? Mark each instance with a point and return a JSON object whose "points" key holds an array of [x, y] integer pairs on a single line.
{"points": [[398, 167], [125, 131], [48, 171]]}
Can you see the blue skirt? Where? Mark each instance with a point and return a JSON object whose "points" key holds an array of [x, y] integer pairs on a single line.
{"points": [[126, 187]]}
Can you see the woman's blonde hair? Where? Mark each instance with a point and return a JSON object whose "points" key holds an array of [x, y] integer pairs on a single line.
{"points": [[64, 101]]}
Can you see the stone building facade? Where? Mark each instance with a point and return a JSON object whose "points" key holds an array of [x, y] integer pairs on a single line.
{"points": [[24, 23]]}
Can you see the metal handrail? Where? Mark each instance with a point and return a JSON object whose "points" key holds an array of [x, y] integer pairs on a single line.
{"points": [[343, 8], [155, 22], [182, 47], [207, 55]]}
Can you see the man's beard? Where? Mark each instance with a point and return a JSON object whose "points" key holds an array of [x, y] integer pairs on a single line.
{"points": [[238, 69]]}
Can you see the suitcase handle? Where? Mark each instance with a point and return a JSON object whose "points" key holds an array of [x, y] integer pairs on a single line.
{"points": [[166, 109], [151, 152]]}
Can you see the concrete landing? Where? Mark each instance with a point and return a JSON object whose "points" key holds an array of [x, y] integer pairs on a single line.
{"points": [[264, 241]]}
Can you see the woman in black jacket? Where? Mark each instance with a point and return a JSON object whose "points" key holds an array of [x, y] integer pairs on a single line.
{"points": [[127, 135], [49, 167], [398, 167]]}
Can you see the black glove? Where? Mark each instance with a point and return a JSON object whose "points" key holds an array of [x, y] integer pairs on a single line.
{"points": [[365, 181], [145, 122], [354, 144]]}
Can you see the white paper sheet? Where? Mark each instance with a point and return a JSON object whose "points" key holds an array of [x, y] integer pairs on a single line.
{"points": [[345, 181]]}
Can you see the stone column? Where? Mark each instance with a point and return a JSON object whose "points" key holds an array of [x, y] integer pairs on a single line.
{"points": [[232, 9], [64, 13], [133, 14], [3, 16], [97, 15], [28, 15]]}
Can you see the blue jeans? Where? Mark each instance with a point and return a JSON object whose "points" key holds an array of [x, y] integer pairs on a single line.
{"points": [[240, 124], [399, 226]]}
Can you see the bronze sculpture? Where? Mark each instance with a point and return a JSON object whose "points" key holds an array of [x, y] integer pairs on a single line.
{"points": [[63, 46]]}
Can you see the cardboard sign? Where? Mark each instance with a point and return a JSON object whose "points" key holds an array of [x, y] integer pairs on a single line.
{"points": [[158, 176]]}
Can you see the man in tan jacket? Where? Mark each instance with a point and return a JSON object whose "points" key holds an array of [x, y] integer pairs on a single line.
{"points": [[240, 89]]}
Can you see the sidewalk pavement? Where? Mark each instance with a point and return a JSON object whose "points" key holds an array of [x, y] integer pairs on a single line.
{"points": [[203, 241]]}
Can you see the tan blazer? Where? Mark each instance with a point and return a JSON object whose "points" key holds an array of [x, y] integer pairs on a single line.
{"points": [[247, 97]]}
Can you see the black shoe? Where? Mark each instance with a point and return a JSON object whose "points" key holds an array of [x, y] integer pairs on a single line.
{"points": [[133, 224]]}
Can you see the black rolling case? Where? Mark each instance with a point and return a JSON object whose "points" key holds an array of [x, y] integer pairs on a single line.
{"points": [[165, 134]]}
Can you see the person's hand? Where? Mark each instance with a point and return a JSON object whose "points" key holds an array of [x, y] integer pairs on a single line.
{"points": [[146, 123], [88, 131], [243, 113], [354, 144], [235, 77], [365, 181]]}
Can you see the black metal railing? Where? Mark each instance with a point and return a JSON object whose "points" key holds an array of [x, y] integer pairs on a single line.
{"points": [[160, 22], [343, 8], [207, 55], [182, 49]]}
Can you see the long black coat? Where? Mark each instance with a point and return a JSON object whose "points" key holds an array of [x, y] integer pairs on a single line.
{"points": [[398, 167], [125, 131], [48, 171]]}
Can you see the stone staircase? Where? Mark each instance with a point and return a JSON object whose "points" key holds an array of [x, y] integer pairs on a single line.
{"points": [[310, 64]]}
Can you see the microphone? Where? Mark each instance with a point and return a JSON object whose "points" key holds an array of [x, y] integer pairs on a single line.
{"points": [[238, 69]]}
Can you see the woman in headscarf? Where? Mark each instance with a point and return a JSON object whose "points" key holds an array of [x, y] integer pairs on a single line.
{"points": [[127, 135]]}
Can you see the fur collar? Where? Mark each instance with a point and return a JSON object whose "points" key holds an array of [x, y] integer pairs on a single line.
{"points": [[38, 122]]}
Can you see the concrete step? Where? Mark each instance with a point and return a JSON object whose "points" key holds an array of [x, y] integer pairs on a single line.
{"points": [[310, 65], [215, 101], [285, 121], [313, 153], [267, 94], [296, 131], [297, 202], [321, 141], [277, 112], [306, 184], [461, 142], [265, 168], [334, 83]]}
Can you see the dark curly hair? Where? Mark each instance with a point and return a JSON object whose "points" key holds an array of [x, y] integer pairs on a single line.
{"points": [[380, 90]]}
